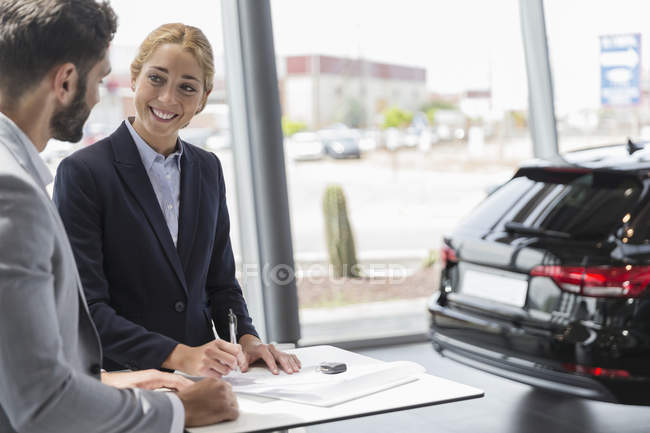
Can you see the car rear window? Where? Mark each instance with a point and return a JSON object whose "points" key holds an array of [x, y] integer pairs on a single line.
{"points": [[490, 211], [586, 206]]}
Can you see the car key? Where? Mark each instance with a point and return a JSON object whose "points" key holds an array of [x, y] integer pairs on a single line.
{"points": [[332, 367]]}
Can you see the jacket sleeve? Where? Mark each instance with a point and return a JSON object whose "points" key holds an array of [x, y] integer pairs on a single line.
{"points": [[222, 287], [80, 206], [41, 392]]}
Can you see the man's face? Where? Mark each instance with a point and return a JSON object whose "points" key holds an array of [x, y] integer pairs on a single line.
{"points": [[67, 123]]}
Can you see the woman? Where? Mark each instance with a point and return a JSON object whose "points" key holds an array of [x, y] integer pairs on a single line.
{"points": [[147, 218]]}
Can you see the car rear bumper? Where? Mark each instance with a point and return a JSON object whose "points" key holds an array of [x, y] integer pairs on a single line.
{"points": [[520, 370], [535, 373]]}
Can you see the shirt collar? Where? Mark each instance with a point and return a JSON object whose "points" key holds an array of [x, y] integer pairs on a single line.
{"points": [[22, 141], [147, 153]]}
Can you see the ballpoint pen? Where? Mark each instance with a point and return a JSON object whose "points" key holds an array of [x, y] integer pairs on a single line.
{"points": [[232, 327]]}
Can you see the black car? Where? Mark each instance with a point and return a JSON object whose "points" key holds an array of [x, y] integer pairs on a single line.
{"points": [[546, 281]]}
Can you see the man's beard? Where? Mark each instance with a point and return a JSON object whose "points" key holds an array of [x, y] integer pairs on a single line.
{"points": [[67, 123]]}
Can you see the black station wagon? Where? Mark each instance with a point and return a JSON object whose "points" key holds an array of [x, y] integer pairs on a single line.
{"points": [[546, 282]]}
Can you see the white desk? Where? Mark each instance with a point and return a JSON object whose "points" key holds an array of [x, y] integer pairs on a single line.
{"points": [[263, 414]]}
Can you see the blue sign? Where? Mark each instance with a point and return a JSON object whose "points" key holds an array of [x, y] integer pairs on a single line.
{"points": [[620, 69]]}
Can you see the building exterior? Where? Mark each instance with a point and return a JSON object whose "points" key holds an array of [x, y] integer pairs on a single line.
{"points": [[315, 89], [476, 104], [323, 90]]}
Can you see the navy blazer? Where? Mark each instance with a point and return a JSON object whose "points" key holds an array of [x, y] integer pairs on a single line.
{"points": [[146, 295]]}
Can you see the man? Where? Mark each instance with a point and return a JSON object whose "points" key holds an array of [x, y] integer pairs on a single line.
{"points": [[53, 55]]}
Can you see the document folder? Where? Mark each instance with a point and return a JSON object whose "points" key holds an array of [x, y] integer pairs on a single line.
{"points": [[364, 376]]}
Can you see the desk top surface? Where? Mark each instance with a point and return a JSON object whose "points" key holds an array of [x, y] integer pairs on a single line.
{"points": [[262, 414]]}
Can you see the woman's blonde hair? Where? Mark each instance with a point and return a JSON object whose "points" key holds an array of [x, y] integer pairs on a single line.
{"points": [[189, 38]]}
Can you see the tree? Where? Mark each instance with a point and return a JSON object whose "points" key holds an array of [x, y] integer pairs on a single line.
{"points": [[290, 127], [430, 109], [395, 117]]}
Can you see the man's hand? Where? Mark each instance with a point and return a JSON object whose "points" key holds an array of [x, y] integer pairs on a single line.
{"points": [[214, 359], [254, 349], [146, 379], [208, 402]]}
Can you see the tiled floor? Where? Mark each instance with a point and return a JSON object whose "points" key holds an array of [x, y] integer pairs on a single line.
{"points": [[508, 407]]}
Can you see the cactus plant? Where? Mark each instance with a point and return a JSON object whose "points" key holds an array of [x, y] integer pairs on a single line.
{"points": [[338, 233]]}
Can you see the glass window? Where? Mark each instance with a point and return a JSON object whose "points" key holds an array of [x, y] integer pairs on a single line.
{"points": [[414, 111], [493, 208], [600, 73]]}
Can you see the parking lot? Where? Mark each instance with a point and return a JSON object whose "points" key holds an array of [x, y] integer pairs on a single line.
{"points": [[397, 201]]}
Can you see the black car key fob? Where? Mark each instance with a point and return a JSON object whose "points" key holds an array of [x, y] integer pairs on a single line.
{"points": [[332, 367]]}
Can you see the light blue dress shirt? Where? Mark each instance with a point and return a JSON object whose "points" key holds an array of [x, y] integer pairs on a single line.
{"points": [[165, 176], [45, 177], [44, 174]]}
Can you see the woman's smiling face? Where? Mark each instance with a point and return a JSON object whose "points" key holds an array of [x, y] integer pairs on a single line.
{"points": [[168, 92]]}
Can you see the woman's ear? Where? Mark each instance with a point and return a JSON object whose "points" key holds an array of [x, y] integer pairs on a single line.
{"points": [[134, 79], [203, 102]]}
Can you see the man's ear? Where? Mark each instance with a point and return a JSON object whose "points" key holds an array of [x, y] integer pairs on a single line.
{"points": [[65, 82]]}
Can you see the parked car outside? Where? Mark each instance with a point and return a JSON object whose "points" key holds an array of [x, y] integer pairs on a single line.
{"points": [[369, 139], [546, 282], [340, 143], [393, 138], [450, 124], [342, 147], [304, 146]]}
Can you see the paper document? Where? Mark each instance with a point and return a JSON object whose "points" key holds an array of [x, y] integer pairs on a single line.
{"points": [[313, 387]]}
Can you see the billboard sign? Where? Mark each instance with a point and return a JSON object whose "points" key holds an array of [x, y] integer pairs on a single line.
{"points": [[620, 69]]}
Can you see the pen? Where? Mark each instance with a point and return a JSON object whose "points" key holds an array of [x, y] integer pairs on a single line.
{"points": [[232, 327]]}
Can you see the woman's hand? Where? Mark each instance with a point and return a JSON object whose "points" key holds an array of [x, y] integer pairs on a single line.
{"points": [[214, 359], [254, 349], [146, 379]]}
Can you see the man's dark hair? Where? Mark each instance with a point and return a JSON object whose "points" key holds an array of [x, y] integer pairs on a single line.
{"points": [[37, 35]]}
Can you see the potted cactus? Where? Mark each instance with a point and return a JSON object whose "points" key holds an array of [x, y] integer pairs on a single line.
{"points": [[338, 233]]}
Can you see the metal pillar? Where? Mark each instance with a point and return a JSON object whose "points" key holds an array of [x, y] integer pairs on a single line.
{"points": [[541, 106], [267, 251]]}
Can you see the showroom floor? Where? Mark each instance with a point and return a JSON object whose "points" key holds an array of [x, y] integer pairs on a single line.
{"points": [[508, 407]]}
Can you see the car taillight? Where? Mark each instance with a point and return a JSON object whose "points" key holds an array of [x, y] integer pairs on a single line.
{"points": [[447, 255], [599, 281], [597, 371]]}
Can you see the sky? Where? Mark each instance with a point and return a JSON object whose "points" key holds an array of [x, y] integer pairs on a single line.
{"points": [[463, 44]]}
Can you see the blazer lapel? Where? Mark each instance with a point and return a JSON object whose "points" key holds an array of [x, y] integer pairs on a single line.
{"points": [[130, 168], [190, 204]]}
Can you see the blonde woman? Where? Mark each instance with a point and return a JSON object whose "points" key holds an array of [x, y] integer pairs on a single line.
{"points": [[147, 218]]}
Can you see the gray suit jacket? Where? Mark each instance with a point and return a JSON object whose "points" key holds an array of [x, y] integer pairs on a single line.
{"points": [[49, 349]]}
